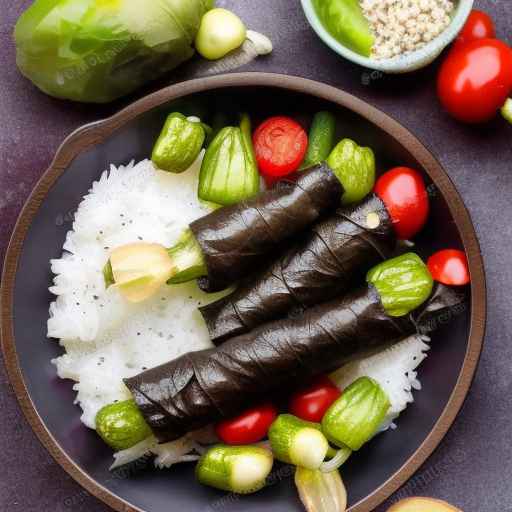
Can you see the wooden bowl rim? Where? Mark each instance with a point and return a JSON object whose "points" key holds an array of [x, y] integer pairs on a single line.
{"points": [[92, 134]]}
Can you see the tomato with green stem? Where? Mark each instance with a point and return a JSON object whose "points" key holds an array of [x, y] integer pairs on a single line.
{"points": [[475, 81]]}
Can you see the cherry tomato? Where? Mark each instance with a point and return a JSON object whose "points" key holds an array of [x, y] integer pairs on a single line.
{"points": [[449, 266], [249, 427], [403, 192], [478, 26], [280, 144], [475, 81], [311, 402]]}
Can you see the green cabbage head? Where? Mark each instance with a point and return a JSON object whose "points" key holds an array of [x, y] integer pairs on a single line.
{"points": [[99, 50]]}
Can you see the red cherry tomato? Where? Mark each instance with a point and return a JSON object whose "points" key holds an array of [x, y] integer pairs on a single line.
{"points": [[475, 81], [311, 402], [450, 267], [249, 427], [280, 144], [478, 26], [403, 192]]}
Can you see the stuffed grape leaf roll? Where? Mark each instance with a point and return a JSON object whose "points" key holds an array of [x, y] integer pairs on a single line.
{"points": [[332, 257], [233, 239], [203, 387]]}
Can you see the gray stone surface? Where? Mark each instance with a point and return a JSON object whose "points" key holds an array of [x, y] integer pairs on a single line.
{"points": [[472, 466]]}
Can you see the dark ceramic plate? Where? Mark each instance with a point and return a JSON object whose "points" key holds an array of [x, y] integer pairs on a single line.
{"points": [[385, 463]]}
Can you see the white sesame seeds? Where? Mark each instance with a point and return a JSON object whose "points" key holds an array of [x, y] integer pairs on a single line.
{"points": [[402, 26]]}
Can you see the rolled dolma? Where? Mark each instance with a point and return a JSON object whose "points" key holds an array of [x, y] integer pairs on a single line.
{"points": [[234, 239], [203, 387], [331, 258]]}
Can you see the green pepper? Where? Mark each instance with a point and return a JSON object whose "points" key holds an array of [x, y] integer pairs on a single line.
{"points": [[239, 469], [404, 283], [320, 139], [346, 22], [355, 168], [179, 143], [229, 172], [355, 417], [121, 425]]}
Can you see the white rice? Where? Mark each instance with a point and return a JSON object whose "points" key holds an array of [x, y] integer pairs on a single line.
{"points": [[106, 339]]}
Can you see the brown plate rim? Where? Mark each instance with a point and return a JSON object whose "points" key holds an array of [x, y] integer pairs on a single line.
{"points": [[94, 133]]}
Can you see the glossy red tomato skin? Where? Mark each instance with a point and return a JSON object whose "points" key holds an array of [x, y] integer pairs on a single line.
{"points": [[475, 80], [479, 25], [280, 144], [312, 402], [403, 191], [251, 426], [450, 267]]}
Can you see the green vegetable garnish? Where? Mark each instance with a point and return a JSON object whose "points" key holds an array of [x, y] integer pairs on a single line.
{"points": [[179, 144], [404, 283], [221, 32], [355, 168], [229, 173], [239, 469], [188, 259], [321, 139], [345, 21], [121, 425], [298, 442], [97, 51], [354, 418]]}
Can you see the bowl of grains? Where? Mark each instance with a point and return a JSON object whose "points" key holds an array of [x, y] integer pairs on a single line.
{"points": [[392, 36]]}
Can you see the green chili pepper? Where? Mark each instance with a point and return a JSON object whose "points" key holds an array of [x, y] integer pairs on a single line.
{"points": [[355, 417], [229, 172], [121, 425], [321, 139], [346, 22], [298, 442], [239, 469], [355, 168], [179, 143], [404, 283]]}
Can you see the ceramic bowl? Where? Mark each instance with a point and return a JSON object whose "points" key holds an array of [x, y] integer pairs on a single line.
{"points": [[402, 63], [47, 401]]}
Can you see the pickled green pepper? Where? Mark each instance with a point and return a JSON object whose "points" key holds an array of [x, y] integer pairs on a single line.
{"points": [[229, 172], [404, 283], [179, 143], [355, 168], [355, 417]]}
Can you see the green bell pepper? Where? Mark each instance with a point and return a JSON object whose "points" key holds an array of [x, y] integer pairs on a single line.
{"points": [[355, 417], [121, 425], [355, 168], [404, 283], [229, 172], [179, 143]]}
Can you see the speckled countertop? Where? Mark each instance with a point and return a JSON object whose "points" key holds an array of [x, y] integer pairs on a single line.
{"points": [[472, 466]]}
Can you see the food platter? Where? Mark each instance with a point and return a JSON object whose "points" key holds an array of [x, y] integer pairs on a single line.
{"points": [[381, 467]]}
